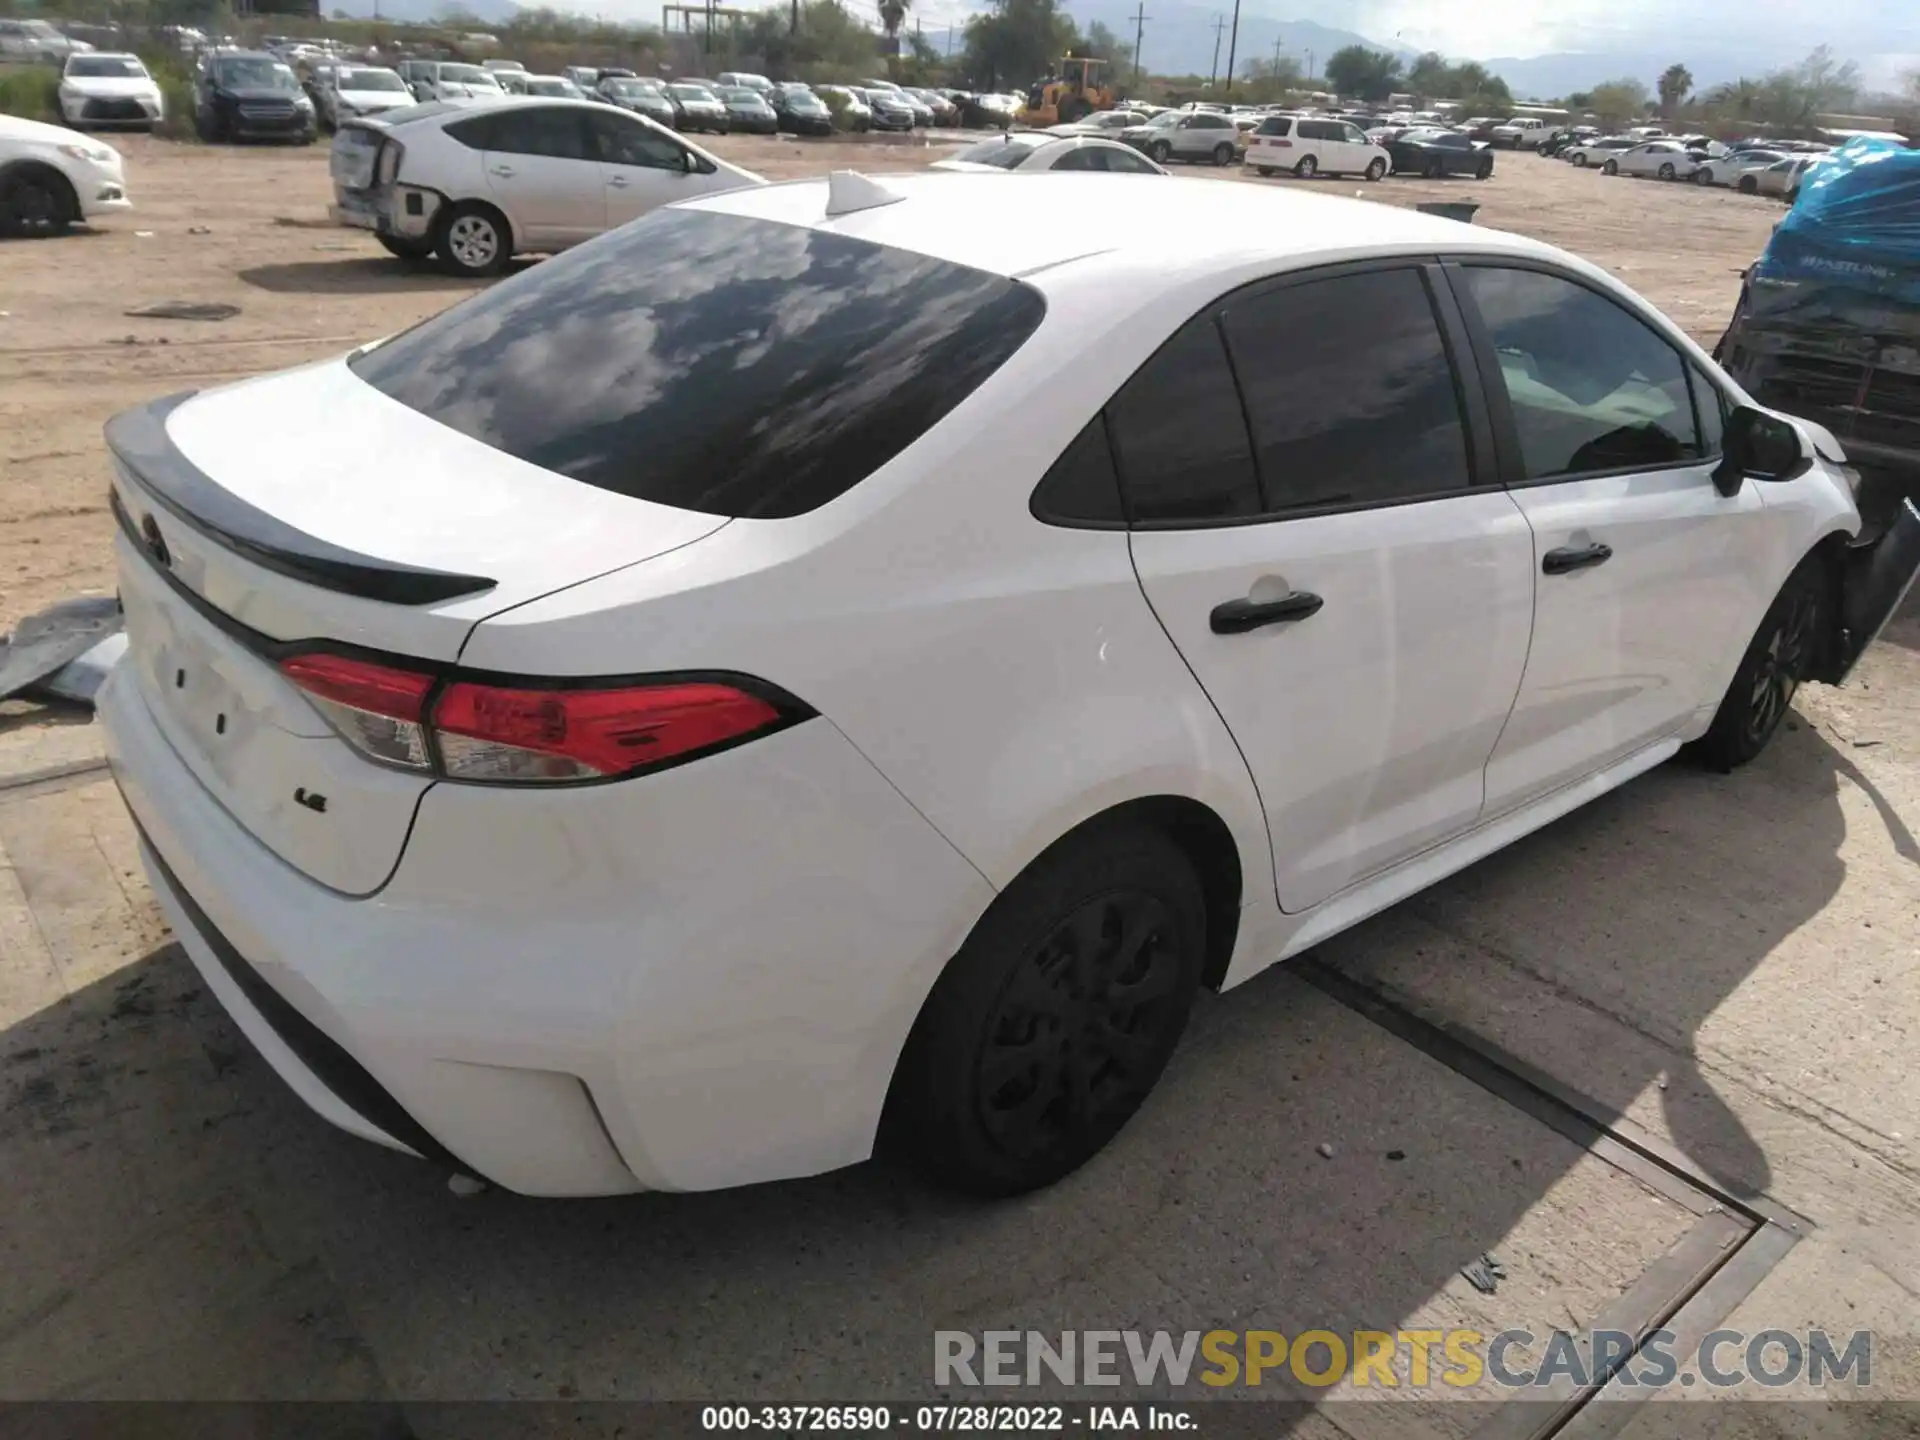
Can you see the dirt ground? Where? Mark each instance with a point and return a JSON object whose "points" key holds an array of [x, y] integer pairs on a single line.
{"points": [[1727, 967]]}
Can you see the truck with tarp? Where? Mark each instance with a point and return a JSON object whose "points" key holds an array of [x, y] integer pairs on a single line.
{"points": [[1828, 329]]}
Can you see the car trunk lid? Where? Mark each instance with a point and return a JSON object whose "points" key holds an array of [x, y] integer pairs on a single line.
{"points": [[249, 534]]}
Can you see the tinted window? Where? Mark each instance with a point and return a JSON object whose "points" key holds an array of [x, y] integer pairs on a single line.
{"points": [[1373, 419], [1082, 485], [621, 142], [1081, 158], [1592, 387], [538, 130], [1710, 405], [1277, 125], [1212, 122], [1125, 162], [475, 134], [735, 367], [1318, 130], [1180, 436]]}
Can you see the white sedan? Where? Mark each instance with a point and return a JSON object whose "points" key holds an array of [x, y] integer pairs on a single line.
{"points": [[475, 185], [349, 92], [109, 89], [1027, 151], [840, 665], [1739, 169], [1658, 159], [51, 178]]}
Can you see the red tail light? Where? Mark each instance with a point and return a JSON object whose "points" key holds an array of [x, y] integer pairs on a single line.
{"points": [[467, 730], [489, 733]]}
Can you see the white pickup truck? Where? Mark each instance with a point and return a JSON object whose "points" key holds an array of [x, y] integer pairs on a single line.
{"points": [[1523, 132]]}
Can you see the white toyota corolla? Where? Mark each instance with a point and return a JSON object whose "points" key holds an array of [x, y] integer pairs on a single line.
{"points": [[834, 665]]}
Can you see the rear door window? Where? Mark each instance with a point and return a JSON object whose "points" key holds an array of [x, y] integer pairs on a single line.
{"points": [[1181, 436], [620, 141], [1375, 420], [555, 134], [730, 366]]}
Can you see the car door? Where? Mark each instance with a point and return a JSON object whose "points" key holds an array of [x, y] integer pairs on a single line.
{"points": [[1312, 537], [1645, 573], [641, 168], [1355, 153], [544, 175]]}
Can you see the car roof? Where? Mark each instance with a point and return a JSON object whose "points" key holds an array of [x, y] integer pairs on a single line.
{"points": [[952, 217]]}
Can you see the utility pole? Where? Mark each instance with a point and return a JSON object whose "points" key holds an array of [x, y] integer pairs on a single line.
{"points": [[1139, 30], [1309, 63], [1219, 24], [793, 27], [1233, 45], [1276, 57]]}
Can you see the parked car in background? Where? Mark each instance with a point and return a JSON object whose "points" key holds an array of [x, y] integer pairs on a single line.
{"points": [[52, 178], [249, 95], [945, 112], [1523, 132], [474, 187], [747, 79], [550, 87], [35, 42], [504, 67], [800, 111], [1191, 135], [1565, 138], [988, 111], [1309, 146], [449, 82], [927, 692], [890, 112], [1703, 145], [1783, 178], [893, 94], [848, 106], [699, 108], [105, 88], [1738, 169], [1657, 159], [585, 76], [1436, 154], [1595, 152], [350, 91], [748, 111], [1027, 151], [643, 97], [1103, 122]]}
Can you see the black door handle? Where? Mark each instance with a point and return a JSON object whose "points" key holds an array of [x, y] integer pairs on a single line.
{"points": [[1566, 560], [1236, 617]]}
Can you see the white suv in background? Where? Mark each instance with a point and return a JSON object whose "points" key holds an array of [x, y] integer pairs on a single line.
{"points": [[1523, 132], [477, 187], [454, 84], [1314, 146]]}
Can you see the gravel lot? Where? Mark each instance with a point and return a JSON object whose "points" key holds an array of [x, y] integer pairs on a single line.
{"points": [[1730, 964]]}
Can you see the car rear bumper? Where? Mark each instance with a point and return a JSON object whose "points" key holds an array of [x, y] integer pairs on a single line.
{"points": [[404, 211], [569, 994]]}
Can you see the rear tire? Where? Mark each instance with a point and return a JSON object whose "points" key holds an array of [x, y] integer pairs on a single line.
{"points": [[1307, 168], [1223, 154], [1046, 1032], [36, 200], [1667, 171], [1749, 185], [1778, 659], [1612, 167], [473, 240]]}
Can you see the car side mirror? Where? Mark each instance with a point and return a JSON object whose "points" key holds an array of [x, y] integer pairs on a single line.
{"points": [[1757, 446]]}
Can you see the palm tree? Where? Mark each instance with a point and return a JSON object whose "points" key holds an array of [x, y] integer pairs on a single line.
{"points": [[1676, 83], [893, 14], [1738, 97]]}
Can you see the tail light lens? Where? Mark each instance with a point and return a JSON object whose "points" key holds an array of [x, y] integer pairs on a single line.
{"points": [[386, 168], [378, 710], [467, 730]]}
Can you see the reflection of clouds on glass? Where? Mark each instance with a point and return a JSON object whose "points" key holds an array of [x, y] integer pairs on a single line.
{"points": [[730, 365]]}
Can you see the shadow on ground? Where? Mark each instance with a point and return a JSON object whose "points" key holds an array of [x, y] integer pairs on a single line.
{"points": [[360, 275], [176, 1224]]}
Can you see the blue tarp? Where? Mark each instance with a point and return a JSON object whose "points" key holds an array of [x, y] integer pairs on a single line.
{"points": [[1856, 223]]}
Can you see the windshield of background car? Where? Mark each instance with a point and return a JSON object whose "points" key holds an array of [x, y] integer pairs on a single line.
{"points": [[1166, 120], [565, 89], [710, 362], [468, 75], [106, 67], [1005, 154], [741, 95], [252, 73], [369, 80], [691, 92], [803, 102]]}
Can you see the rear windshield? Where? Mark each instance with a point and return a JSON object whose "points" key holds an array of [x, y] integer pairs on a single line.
{"points": [[731, 366], [1006, 154]]}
